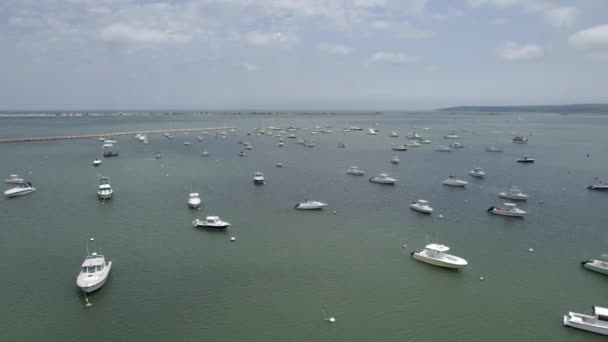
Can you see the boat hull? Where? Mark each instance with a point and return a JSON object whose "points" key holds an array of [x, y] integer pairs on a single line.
{"points": [[421, 209], [421, 257], [568, 321], [104, 196], [10, 194], [588, 264], [493, 210], [383, 182]]}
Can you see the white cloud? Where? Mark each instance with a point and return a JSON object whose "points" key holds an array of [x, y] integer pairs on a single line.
{"points": [[400, 29], [279, 39], [394, 58], [125, 33], [513, 51], [334, 49], [561, 16], [593, 37]]}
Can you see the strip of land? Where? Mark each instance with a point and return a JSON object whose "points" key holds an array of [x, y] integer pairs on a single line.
{"points": [[115, 134]]}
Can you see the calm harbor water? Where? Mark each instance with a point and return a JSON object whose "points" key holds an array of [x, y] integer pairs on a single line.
{"points": [[171, 281]]}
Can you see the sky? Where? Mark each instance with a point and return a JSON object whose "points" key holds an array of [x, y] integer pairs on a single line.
{"points": [[300, 54]]}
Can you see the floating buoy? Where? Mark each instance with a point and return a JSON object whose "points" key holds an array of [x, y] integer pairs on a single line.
{"points": [[232, 238]]}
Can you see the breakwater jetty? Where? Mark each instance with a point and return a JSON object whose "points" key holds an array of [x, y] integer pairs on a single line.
{"points": [[115, 134]]}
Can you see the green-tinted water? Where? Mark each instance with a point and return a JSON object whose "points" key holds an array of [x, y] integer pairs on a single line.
{"points": [[173, 282]]}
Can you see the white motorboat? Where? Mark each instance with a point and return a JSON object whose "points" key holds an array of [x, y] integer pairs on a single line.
{"points": [[355, 128], [258, 178], [96, 162], [401, 148], [309, 144], [310, 205], [510, 209], [393, 135], [383, 178], [456, 145], [169, 136], [477, 172], [105, 190], [94, 272], [442, 148], [278, 164], [187, 143], [355, 171], [395, 160], [514, 194], [597, 323], [194, 201], [493, 148], [292, 136], [346, 130], [110, 141], [371, 131], [520, 140], [595, 265], [451, 136], [14, 179], [212, 222], [108, 145], [453, 181], [199, 138], [413, 136], [598, 186], [342, 145], [435, 254], [425, 141], [412, 144], [20, 189], [205, 154], [421, 206], [280, 144], [247, 146]]}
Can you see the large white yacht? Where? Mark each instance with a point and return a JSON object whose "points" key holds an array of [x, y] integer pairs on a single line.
{"points": [[355, 171], [194, 201], [212, 222], [595, 265], [453, 181], [514, 194], [258, 178], [310, 205], [20, 189], [435, 254], [510, 209], [105, 189], [477, 172], [597, 323], [94, 272], [14, 179], [383, 178], [422, 206]]}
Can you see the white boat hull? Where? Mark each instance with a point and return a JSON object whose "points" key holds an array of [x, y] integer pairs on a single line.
{"points": [[592, 266], [194, 203], [437, 262], [105, 195], [9, 193], [573, 320], [513, 197], [508, 213], [421, 209], [91, 287]]}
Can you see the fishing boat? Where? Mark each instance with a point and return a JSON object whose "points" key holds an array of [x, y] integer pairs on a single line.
{"points": [[435, 254], [194, 201], [383, 178], [355, 171], [525, 159], [514, 193], [310, 205], [211, 222], [477, 172], [509, 209], [20, 189], [105, 189], [597, 323], [453, 181], [595, 265], [421, 206], [94, 272], [14, 179]]}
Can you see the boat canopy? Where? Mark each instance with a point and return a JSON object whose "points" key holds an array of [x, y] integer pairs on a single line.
{"points": [[93, 260], [212, 218], [423, 201], [437, 247], [599, 311]]}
